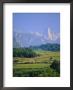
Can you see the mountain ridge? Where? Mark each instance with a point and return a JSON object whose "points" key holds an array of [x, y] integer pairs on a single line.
{"points": [[34, 39]]}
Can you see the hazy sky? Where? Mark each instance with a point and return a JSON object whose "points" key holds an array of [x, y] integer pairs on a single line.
{"points": [[36, 22]]}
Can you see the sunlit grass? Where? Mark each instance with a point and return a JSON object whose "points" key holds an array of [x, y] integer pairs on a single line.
{"points": [[36, 66]]}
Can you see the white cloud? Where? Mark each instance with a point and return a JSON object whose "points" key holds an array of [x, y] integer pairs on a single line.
{"points": [[37, 33]]}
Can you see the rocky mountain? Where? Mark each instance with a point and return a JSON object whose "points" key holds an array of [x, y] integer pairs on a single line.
{"points": [[34, 39]]}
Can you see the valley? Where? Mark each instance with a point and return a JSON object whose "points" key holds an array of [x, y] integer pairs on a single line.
{"points": [[38, 66]]}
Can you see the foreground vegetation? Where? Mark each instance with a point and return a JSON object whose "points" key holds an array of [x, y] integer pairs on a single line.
{"points": [[36, 63]]}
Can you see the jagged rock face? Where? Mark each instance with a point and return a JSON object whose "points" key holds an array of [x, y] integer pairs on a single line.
{"points": [[34, 38]]}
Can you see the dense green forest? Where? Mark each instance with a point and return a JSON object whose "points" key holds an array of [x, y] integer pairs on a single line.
{"points": [[47, 47], [23, 52]]}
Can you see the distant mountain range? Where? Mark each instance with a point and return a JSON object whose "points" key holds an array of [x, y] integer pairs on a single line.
{"points": [[34, 39]]}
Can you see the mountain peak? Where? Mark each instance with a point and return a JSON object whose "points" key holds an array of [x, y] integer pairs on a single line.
{"points": [[52, 35], [34, 38]]}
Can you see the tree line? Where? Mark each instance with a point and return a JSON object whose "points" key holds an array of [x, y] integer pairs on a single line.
{"points": [[23, 52]]}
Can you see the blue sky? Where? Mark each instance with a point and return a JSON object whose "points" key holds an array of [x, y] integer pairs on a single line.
{"points": [[36, 22]]}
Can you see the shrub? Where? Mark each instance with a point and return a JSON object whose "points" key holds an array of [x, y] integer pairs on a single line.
{"points": [[55, 65]]}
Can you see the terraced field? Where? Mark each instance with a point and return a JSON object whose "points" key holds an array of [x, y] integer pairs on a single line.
{"points": [[38, 66]]}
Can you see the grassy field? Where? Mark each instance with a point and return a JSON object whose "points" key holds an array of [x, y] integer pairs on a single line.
{"points": [[38, 66]]}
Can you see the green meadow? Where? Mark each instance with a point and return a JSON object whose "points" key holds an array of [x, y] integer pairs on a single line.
{"points": [[38, 66]]}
